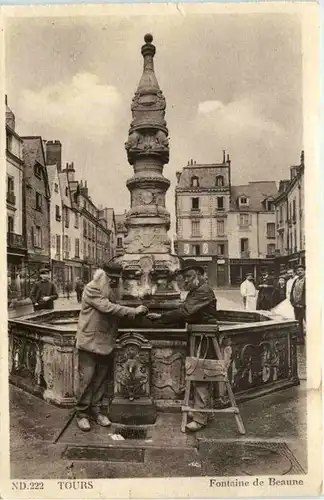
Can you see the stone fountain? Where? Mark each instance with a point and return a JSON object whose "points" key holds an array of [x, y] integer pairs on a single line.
{"points": [[148, 266]]}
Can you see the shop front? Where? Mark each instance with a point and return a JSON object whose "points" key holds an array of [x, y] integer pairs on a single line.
{"points": [[239, 268], [216, 269]]}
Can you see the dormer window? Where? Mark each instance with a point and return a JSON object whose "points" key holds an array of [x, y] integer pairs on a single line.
{"points": [[243, 201], [194, 181], [219, 180]]}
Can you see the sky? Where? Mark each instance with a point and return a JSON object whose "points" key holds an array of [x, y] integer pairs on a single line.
{"points": [[231, 81]]}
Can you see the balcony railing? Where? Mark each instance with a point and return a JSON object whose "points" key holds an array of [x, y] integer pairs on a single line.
{"points": [[11, 198], [245, 254], [15, 240], [271, 236]]}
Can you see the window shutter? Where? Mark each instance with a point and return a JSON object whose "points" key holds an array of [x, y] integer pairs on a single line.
{"points": [[69, 244], [32, 232]]}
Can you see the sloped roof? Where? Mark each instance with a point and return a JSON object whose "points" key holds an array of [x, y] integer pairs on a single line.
{"points": [[257, 192], [206, 174], [66, 200], [51, 172], [33, 151]]}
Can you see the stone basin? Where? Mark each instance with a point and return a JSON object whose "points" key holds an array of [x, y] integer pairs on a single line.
{"points": [[261, 348]]}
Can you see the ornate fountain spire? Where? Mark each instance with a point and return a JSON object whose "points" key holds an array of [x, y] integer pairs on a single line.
{"points": [[147, 246]]}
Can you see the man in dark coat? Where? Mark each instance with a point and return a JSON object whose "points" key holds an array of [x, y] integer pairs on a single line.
{"points": [[95, 340], [199, 307], [298, 300], [43, 292], [266, 288]]}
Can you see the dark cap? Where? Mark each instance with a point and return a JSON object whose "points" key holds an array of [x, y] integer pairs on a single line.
{"points": [[191, 265], [300, 266], [249, 274], [113, 270], [44, 271]]}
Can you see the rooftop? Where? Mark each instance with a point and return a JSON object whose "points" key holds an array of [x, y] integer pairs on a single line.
{"points": [[257, 193]]}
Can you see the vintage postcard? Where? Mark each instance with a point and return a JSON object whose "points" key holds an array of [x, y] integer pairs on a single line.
{"points": [[160, 166]]}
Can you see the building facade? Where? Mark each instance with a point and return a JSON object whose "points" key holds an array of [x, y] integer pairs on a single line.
{"points": [[56, 224], [229, 230], [202, 198], [290, 218], [36, 206], [251, 230], [16, 243]]}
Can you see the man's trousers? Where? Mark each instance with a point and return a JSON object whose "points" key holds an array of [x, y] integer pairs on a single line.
{"points": [[300, 316], [202, 399], [93, 372]]}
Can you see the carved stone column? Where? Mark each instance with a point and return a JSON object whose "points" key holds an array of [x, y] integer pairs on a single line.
{"points": [[147, 262]]}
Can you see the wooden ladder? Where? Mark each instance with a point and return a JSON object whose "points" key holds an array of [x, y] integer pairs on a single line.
{"points": [[219, 377]]}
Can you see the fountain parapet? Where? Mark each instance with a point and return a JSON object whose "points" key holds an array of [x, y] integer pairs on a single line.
{"points": [[148, 266]]}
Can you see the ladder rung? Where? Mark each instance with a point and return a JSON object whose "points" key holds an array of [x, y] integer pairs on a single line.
{"points": [[232, 409]]}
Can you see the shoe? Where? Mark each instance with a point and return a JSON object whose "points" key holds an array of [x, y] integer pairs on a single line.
{"points": [[102, 420], [84, 424], [194, 426]]}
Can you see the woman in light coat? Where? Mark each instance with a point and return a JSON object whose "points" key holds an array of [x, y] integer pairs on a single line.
{"points": [[95, 340]]}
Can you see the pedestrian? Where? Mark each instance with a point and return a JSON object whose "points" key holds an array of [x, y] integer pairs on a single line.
{"points": [[279, 292], [264, 300], [198, 307], [298, 301], [68, 289], [248, 293], [43, 292], [95, 340], [291, 276], [79, 286]]}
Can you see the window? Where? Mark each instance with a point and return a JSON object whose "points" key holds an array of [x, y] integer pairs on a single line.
{"points": [[269, 206], [220, 203], [243, 200], [89, 252], [11, 190], [196, 249], [244, 220], [271, 230], [66, 191], [77, 248], [38, 237], [84, 250], [57, 213], [119, 242], [244, 246], [195, 203], [280, 214], [10, 224], [76, 220], [38, 170], [38, 202], [56, 188], [219, 180], [195, 228], [58, 245], [271, 248], [221, 249], [294, 210], [67, 217], [194, 181], [84, 229], [295, 240], [220, 227]]}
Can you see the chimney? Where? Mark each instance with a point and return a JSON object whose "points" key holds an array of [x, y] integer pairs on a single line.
{"points": [[84, 188], [228, 159], [6, 100], [178, 174], [70, 172], [54, 154], [302, 158], [224, 155]]}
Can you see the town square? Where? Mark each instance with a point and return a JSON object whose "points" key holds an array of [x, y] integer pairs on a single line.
{"points": [[156, 249]]}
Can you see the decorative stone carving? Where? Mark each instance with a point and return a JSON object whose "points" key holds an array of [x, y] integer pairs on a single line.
{"points": [[132, 366], [168, 375], [147, 240]]}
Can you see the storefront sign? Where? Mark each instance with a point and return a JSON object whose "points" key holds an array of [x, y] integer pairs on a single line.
{"points": [[221, 261]]}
